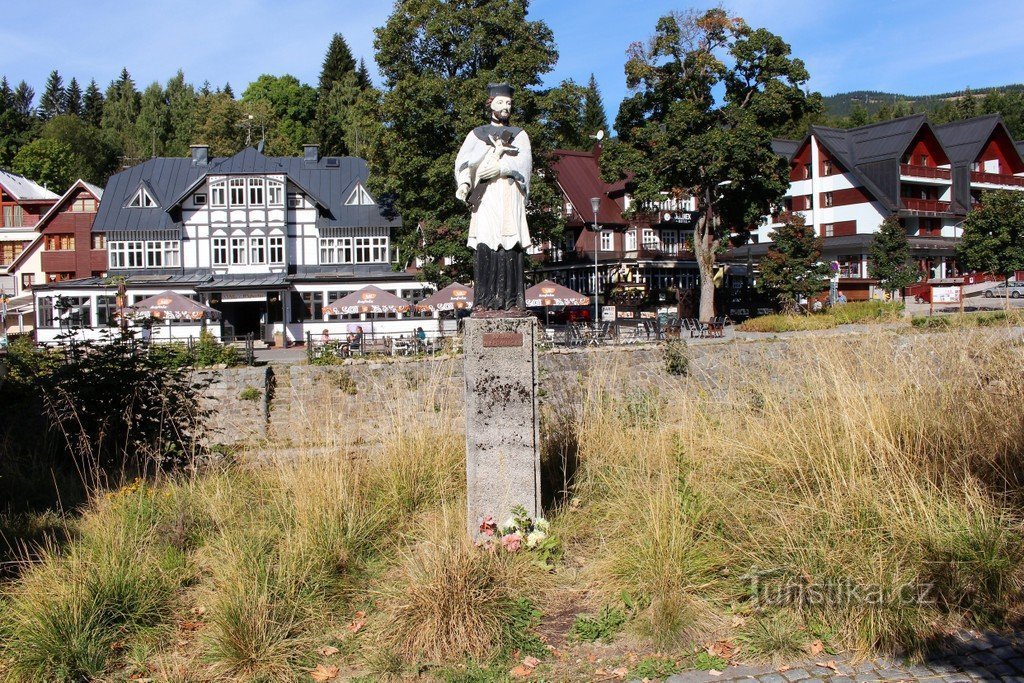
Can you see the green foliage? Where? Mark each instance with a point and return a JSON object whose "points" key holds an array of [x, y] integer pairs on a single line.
{"points": [[993, 237], [594, 116], [522, 620], [710, 93], [437, 59], [867, 312], [777, 634], [93, 159], [677, 358], [338, 63], [54, 99], [287, 111], [603, 626], [250, 394], [121, 107], [217, 116], [788, 323], [792, 270], [889, 256], [208, 351], [709, 662], [48, 162], [654, 668]]}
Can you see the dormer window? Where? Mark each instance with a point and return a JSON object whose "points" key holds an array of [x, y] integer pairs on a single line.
{"points": [[142, 200], [359, 197]]}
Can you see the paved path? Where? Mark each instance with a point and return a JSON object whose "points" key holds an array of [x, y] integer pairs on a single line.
{"points": [[963, 658]]}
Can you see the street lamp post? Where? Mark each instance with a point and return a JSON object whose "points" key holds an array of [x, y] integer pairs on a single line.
{"points": [[595, 203]]}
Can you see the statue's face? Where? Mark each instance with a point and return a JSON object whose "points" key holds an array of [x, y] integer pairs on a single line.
{"points": [[501, 107]]}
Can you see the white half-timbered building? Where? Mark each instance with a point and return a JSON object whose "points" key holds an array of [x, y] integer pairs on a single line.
{"points": [[268, 241]]}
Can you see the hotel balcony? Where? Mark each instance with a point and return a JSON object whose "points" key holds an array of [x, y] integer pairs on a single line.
{"points": [[927, 172], [996, 179], [925, 206]]}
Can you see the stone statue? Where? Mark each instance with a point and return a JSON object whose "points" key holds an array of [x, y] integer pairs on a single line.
{"points": [[492, 171]]}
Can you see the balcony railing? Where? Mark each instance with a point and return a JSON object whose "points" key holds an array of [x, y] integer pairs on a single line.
{"points": [[925, 205], [996, 179], [925, 171]]}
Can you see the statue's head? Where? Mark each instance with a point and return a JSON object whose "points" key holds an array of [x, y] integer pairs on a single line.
{"points": [[499, 101]]}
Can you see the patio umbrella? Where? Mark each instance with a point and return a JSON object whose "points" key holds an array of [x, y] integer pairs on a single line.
{"points": [[170, 305], [548, 294], [452, 297], [369, 299]]}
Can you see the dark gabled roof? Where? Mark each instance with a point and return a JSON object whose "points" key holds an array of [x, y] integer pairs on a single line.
{"points": [[786, 148], [171, 179], [579, 176], [165, 177], [964, 140], [839, 144], [886, 140]]}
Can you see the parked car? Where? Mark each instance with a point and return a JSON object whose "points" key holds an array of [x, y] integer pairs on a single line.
{"points": [[1015, 290]]}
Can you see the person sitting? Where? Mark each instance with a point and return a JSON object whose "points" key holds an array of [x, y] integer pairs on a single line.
{"points": [[356, 343]]}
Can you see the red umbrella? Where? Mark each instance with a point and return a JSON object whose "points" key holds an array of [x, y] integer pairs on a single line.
{"points": [[369, 299], [452, 297], [548, 293]]}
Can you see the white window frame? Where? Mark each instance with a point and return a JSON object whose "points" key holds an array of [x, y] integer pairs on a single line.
{"points": [[275, 193], [631, 240], [172, 253], [218, 195], [154, 255], [236, 187], [257, 250], [142, 200], [275, 250], [256, 190], [238, 250], [220, 251], [295, 201], [607, 240]]}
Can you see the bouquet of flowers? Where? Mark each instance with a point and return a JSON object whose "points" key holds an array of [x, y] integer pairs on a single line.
{"points": [[518, 532]]}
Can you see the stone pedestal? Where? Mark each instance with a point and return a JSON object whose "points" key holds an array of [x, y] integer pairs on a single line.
{"points": [[502, 423]]}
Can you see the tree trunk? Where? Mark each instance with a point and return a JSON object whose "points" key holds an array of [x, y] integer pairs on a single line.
{"points": [[704, 250]]}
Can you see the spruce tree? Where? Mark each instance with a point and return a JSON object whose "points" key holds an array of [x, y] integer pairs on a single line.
{"points": [[363, 75], [92, 104], [54, 99], [182, 103], [73, 99], [889, 256], [120, 112], [228, 91], [15, 123], [23, 97], [791, 270], [338, 63], [594, 117]]}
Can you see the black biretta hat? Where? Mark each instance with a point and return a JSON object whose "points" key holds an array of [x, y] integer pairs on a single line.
{"points": [[499, 90]]}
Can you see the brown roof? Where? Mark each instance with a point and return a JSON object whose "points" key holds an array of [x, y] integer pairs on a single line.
{"points": [[579, 176]]}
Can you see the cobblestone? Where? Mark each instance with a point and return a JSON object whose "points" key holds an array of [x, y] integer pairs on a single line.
{"points": [[965, 658]]}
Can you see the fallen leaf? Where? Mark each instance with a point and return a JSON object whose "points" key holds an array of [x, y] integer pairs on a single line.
{"points": [[531, 662], [327, 651], [723, 649], [358, 622], [830, 664], [621, 672], [714, 672], [521, 671], [191, 625], [737, 621], [816, 648], [784, 668], [323, 673]]}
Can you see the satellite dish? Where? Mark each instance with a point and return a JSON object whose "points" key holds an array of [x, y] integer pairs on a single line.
{"points": [[599, 136]]}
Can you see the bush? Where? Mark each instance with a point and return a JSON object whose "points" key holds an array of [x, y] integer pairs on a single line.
{"points": [[677, 359], [867, 312], [250, 394], [788, 323]]}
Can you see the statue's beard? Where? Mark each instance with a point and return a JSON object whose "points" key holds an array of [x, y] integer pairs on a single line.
{"points": [[499, 116]]}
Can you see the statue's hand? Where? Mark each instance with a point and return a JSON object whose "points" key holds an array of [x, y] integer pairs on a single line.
{"points": [[488, 169], [463, 192]]}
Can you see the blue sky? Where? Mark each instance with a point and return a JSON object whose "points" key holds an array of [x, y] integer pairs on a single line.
{"points": [[909, 46]]}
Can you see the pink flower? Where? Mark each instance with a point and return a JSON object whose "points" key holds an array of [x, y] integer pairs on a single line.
{"points": [[512, 542], [488, 526]]}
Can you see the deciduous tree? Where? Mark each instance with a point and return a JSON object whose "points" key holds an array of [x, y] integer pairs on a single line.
{"points": [[47, 162], [292, 109], [889, 256], [709, 94], [993, 238], [437, 59]]}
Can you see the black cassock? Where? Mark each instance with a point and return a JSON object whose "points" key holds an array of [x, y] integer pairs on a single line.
{"points": [[498, 278]]}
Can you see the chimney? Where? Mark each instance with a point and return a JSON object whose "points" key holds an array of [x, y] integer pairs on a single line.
{"points": [[200, 154], [311, 153]]}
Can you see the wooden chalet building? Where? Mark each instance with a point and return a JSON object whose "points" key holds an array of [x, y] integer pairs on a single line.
{"points": [[268, 241], [847, 182], [22, 204], [645, 255]]}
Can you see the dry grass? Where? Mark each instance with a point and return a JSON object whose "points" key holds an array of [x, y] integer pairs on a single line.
{"points": [[881, 464], [878, 464]]}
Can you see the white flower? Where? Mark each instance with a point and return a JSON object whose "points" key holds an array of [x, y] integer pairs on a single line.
{"points": [[509, 524], [542, 524], [534, 538]]}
